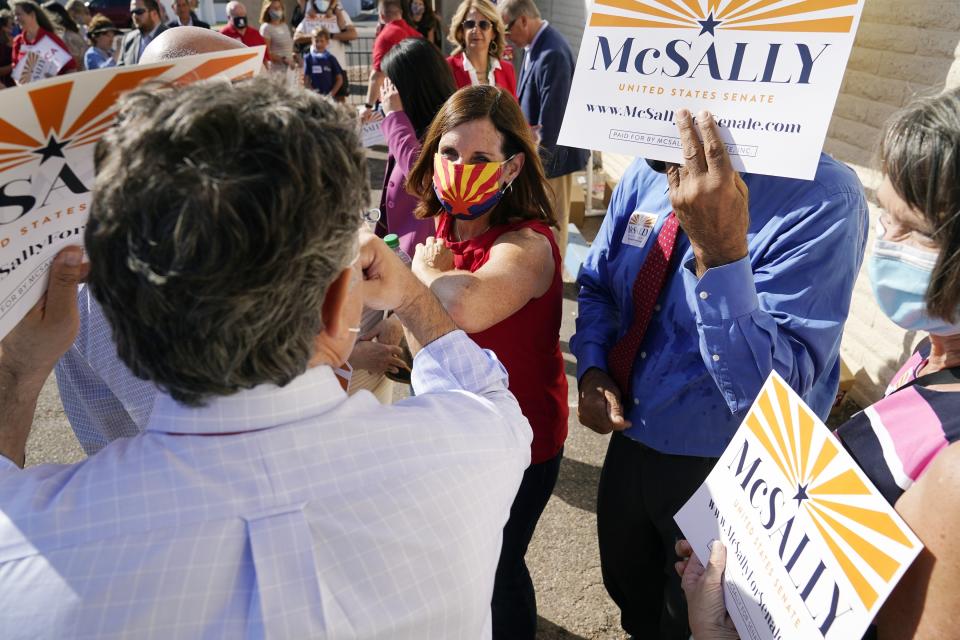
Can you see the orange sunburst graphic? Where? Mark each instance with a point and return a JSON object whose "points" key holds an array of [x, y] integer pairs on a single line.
{"points": [[833, 499], [465, 189], [50, 135], [803, 16]]}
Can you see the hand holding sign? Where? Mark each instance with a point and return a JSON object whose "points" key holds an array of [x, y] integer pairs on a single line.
{"points": [[30, 351], [708, 196], [703, 587]]}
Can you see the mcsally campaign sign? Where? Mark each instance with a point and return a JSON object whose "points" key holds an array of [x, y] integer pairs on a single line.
{"points": [[48, 131], [813, 549], [768, 70]]}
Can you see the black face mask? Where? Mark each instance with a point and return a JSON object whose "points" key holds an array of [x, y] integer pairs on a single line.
{"points": [[657, 165], [239, 22]]}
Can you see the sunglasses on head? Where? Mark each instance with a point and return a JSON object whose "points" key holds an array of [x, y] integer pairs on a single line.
{"points": [[470, 24], [137, 12]]}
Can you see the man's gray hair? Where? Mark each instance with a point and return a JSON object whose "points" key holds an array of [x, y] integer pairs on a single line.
{"points": [[516, 8], [221, 214], [231, 6]]}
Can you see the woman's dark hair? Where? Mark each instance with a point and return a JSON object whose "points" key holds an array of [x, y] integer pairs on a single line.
{"points": [[34, 9], [422, 77], [920, 154], [428, 21], [6, 17], [527, 198], [60, 15]]}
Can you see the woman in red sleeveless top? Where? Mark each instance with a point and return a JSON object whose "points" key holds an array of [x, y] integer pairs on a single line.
{"points": [[496, 268]]}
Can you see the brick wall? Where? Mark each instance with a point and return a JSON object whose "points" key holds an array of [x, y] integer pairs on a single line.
{"points": [[568, 17]]}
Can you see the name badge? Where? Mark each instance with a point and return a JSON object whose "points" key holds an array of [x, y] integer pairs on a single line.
{"points": [[639, 228]]}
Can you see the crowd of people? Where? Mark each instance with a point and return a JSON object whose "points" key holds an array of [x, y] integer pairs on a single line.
{"points": [[240, 474]]}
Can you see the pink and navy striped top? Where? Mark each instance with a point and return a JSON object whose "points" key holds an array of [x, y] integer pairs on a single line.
{"points": [[896, 438]]}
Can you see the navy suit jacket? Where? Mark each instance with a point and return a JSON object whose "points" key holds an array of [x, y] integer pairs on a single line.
{"points": [[542, 91]]}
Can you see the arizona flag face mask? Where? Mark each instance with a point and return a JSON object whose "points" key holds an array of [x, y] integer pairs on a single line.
{"points": [[467, 191]]}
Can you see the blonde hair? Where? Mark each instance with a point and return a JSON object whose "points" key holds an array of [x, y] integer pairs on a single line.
{"points": [[265, 11], [488, 11]]}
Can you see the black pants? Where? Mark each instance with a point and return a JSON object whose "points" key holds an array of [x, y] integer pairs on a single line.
{"points": [[514, 605], [640, 491]]}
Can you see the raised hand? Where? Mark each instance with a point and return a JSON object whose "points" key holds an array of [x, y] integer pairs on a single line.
{"points": [[708, 195]]}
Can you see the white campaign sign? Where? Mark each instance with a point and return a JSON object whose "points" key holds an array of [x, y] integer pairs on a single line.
{"points": [[768, 70], [48, 131], [42, 59], [371, 132], [813, 549]]}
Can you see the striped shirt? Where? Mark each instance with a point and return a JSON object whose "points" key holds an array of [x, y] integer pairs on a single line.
{"points": [[895, 439]]}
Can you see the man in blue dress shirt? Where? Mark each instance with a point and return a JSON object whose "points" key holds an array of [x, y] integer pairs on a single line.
{"points": [[750, 288]]}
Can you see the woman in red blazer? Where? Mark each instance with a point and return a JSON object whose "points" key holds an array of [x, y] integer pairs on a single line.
{"points": [[477, 30]]}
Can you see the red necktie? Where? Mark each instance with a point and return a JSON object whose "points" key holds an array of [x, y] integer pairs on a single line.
{"points": [[646, 290]]}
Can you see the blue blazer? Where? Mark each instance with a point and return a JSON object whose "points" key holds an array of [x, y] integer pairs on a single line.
{"points": [[542, 92]]}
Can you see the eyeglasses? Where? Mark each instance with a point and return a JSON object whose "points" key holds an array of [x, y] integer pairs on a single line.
{"points": [[510, 24], [137, 12], [470, 24], [370, 218]]}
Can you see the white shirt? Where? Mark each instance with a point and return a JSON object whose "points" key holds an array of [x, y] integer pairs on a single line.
{"points": [[492, 66], [337, 48], [102, 399], [291, 512]]}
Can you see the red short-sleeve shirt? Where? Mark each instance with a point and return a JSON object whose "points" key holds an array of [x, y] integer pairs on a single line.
{"points": [[389, 36], [250, 37]]}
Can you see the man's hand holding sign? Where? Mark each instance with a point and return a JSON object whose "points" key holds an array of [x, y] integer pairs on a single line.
{"points": [[708, 195]]}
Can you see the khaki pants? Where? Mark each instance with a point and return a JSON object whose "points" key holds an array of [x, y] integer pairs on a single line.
{"points": [[561, 186], [377, 384]]}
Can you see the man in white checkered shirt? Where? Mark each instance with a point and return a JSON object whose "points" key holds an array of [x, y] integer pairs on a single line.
{"points": [[260, 501]]}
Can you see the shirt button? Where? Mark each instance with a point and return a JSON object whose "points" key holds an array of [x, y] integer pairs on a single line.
{"points": [[643, 354], [704, 295], [656, 308], [716, 358], [636, 401]]}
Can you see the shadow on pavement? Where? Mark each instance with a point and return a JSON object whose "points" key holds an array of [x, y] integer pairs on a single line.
{"points": [[546, 630], [577, 484]]}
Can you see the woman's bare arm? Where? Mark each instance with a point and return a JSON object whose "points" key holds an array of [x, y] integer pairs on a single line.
{"points": [[925, 603], [519, 269]]}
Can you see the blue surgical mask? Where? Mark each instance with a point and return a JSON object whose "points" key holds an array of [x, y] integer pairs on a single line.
{"points": [[900, 275]]}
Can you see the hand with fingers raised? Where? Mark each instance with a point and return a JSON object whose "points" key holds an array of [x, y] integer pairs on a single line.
{"points": [[708, 195]]}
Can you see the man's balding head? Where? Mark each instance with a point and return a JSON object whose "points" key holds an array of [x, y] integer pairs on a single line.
{"points": [[187, 41], [236, 9]]}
